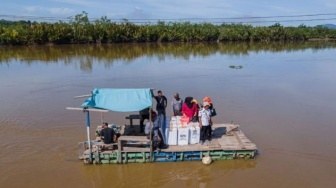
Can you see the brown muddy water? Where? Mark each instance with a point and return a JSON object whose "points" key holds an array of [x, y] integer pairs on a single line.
{"points": [[282, 95]]}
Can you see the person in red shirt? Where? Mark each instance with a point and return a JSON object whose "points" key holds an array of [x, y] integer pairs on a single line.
{"points": [[189, 109]]}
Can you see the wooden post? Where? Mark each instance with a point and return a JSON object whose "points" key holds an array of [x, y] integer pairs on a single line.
{"points": [[97, 156], [88, 133], [119, 152], [150, 136], [150, 132], [102, 117]]}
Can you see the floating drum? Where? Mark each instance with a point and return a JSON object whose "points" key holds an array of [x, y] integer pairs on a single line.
{"points": [[206, 160]]}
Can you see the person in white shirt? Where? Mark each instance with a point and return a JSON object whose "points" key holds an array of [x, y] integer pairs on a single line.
{"points": [[204, 116]]}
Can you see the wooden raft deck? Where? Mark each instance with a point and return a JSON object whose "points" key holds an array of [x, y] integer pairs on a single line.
{"points": [[220, 141], [228, 142]]}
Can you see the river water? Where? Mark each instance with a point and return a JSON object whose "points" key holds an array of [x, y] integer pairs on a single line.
{"points": [[282, 95]]}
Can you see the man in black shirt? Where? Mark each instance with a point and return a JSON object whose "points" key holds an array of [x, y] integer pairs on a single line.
{"points": [[161, 103], [107, 134]]}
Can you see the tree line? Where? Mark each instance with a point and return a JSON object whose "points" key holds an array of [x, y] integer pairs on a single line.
{"points": [[81, 30]]}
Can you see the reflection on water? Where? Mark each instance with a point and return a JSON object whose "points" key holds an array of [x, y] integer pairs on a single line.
{"points": [[108, 54], [282, 95]]}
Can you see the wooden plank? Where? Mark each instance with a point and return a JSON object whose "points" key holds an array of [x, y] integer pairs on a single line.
{"points": [[135, 149], [220, 125], [183, 149], [133, 138], [107, 152], [214, 144], [107, 145], [133, 116], [119, 152], [220, 141], [135, 143], [238, 139]]}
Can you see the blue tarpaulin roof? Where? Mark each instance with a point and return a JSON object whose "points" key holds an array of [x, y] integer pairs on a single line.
{"points": [[121, 100]]}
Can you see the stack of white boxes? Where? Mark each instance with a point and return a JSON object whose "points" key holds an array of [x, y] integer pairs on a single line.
{"points": [[171, 131], [182, 136], [178, 133], [194, 132]]}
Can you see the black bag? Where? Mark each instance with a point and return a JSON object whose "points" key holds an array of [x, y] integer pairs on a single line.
{"points": [[178, 113], [194, 119], [213, 112]]}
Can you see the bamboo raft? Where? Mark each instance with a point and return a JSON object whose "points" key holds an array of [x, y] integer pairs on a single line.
{"points": [[228, 142]]}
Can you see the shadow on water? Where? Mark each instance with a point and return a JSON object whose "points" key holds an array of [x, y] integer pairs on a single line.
{"points": [[109, 54]]}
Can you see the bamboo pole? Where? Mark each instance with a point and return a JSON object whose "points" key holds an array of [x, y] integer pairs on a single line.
{"points": [[102, 117], [88, 109], [150, 130], [150, 136], [88, 134], [83, 96]]}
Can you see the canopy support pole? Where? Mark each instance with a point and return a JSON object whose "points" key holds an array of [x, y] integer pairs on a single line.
{"points": [[88, 133], [86, 110], [151, 128], [150, 136], [102, 117]]}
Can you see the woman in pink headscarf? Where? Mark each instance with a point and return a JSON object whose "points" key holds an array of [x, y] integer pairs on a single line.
{"points": [[189, 109]]}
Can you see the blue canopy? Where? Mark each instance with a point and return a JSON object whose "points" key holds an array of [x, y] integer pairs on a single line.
{"points": [[121, 100]]}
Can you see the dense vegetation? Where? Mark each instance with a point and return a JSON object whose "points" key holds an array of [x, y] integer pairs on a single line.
{"points": [[81, 30]]}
